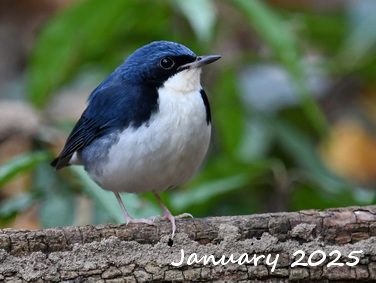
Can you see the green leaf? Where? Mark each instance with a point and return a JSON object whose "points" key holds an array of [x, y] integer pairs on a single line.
{"points": [[201, 16], [361, 38], [89, 31], [257, 139], [305, 155], [13, 205], [221, 177], [308, 196], [56, 199], [228, 113], [206, 191], [21, 164], [57, 209], [273, 30]]}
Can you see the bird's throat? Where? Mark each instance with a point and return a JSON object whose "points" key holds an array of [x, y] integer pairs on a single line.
{"points": [[184, 82]]}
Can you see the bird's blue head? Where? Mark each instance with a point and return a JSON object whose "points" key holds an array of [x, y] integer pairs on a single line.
{"points": [[156, 62]]}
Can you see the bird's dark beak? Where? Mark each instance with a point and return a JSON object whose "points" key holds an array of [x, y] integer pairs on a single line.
{"points": [[200, 61]]}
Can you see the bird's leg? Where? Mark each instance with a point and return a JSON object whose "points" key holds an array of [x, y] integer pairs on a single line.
{"points": [[128, 218], [168, 216]]}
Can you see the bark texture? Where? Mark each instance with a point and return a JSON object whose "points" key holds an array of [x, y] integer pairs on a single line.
{"points": [[139, 253]]}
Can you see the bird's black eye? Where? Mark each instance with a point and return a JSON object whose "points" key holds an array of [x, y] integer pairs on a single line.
{"points": [[166, 63]]}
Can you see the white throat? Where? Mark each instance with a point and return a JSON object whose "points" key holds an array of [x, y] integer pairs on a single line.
{"points": [[185, 81]]}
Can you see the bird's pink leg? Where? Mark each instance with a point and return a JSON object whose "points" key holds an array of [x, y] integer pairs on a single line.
{"points": [[168, 216], [128, 218]]}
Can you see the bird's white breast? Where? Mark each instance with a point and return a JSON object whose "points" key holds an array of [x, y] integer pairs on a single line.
{"points": [[166, 150]]}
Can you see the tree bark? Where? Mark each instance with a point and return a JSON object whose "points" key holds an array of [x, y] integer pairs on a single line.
{"points": [[245, 248]]}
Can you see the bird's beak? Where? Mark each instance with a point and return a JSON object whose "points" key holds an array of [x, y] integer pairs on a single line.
{"points": [[200, 61]]}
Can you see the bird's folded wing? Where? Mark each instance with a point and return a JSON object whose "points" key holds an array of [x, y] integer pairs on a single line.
{"points": [[84, 133], [110, 108]]}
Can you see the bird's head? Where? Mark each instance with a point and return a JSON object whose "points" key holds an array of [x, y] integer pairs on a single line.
{"points": [[168, 64]]}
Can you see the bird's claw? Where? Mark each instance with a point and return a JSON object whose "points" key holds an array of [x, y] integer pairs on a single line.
{"points": [[141, 220], [168, 217], [153, 218], [184, 215]]}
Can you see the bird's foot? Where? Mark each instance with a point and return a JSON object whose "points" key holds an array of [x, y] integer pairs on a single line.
{"points": [[183, 215], [168, 216], [128, 218], [149, 221]]}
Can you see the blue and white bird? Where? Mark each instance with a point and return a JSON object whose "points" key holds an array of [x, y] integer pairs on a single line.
{"points": [[146, 127]]}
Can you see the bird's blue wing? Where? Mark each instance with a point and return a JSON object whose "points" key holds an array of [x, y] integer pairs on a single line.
{"points": [[110, 108], [85, 131]]}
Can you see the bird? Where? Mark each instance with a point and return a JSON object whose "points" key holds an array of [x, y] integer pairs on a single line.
{"points": [[146, 127]]}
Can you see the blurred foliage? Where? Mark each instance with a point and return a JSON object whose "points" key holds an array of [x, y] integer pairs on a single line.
{"points": [[262, 158]]}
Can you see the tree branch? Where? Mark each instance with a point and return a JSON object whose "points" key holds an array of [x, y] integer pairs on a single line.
{"points": [[261, 247]]}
